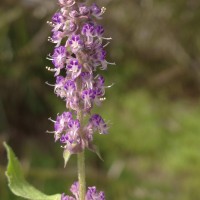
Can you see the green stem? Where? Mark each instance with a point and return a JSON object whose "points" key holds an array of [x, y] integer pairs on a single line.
{"points": [[81, 175]]}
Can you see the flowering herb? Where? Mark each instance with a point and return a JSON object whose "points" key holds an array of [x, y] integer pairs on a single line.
{"points": [[79, 53], [77, 58]]}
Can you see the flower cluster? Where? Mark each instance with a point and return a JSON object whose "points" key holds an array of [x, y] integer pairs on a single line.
{"points": [[78, 54], [91, 194], [72, 136]]}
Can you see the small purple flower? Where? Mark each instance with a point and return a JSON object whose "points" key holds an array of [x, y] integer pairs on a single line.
{"points": [[59, 79], [98, 123], [100, 55], [73, 102], [89, 31], [74, 68], [74, 14], [59, 57], [57, 18], [59, 87], [61, 123], [96, 10], [74, 126], [84, 10], [87, 96], [64, 138], [99, 92], [70, 27], [57, 37], [76, 43], [57, 21], [99, 81], [99, 30], [67, 3], [70, 87], [87, 79], [75, 189], [92, 194]]}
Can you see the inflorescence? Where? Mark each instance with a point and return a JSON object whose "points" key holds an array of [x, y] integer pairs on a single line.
{"points": [[78, 54], [92, 193]]}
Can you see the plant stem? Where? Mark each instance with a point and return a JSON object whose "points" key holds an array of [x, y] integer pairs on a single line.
{"points": [[81, 167], [81, 175]]}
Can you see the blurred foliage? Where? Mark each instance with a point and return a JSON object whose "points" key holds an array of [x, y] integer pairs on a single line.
{"points": [[152, 151]]}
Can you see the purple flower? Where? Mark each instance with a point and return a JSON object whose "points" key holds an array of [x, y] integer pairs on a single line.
{"points": [[57, 37], [64, 138], [75, 42], [70, 27], [75, 189], [74, 14], [98, 123], [99, 81], [70, 87], [59, 58], [89, 31], [99, 30], [92, 194], [87, 96], [74, 68], [73, 102], [67, 3], [87, 79], [84, 10], [96, 10], [74, 126], [59, 87], [61, 123], [57, 18]]}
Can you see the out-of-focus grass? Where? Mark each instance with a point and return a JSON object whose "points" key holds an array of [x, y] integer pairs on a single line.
{"points": [[151, 152]]}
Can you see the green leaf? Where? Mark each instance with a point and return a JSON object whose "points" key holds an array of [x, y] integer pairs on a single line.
{"points": [[66, 156], [17, 183], [95, 149]]}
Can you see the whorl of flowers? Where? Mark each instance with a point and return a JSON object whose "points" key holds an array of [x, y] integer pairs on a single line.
{"points": [[92, 193], [78, 54]]}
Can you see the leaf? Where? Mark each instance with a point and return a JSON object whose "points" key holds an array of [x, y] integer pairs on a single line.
{"points": [[17, 183], [66, 156], [95, 149]]}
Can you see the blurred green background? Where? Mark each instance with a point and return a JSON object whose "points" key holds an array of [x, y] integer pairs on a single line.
{"points": [[153, 149]]}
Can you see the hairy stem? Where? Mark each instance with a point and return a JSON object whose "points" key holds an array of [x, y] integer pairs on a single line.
{"points": [[81, 167], [81, 175]]}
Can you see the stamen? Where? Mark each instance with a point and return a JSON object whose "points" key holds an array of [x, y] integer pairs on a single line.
{"points": [[102, 99], [106, 38], [51, 120], [50, 131], [50, 69], [109, 86], [106, 44], [50, 84], [111, 63], [103, 10]]}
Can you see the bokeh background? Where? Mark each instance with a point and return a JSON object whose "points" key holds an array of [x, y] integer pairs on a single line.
{"points": [[153, 149]]}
